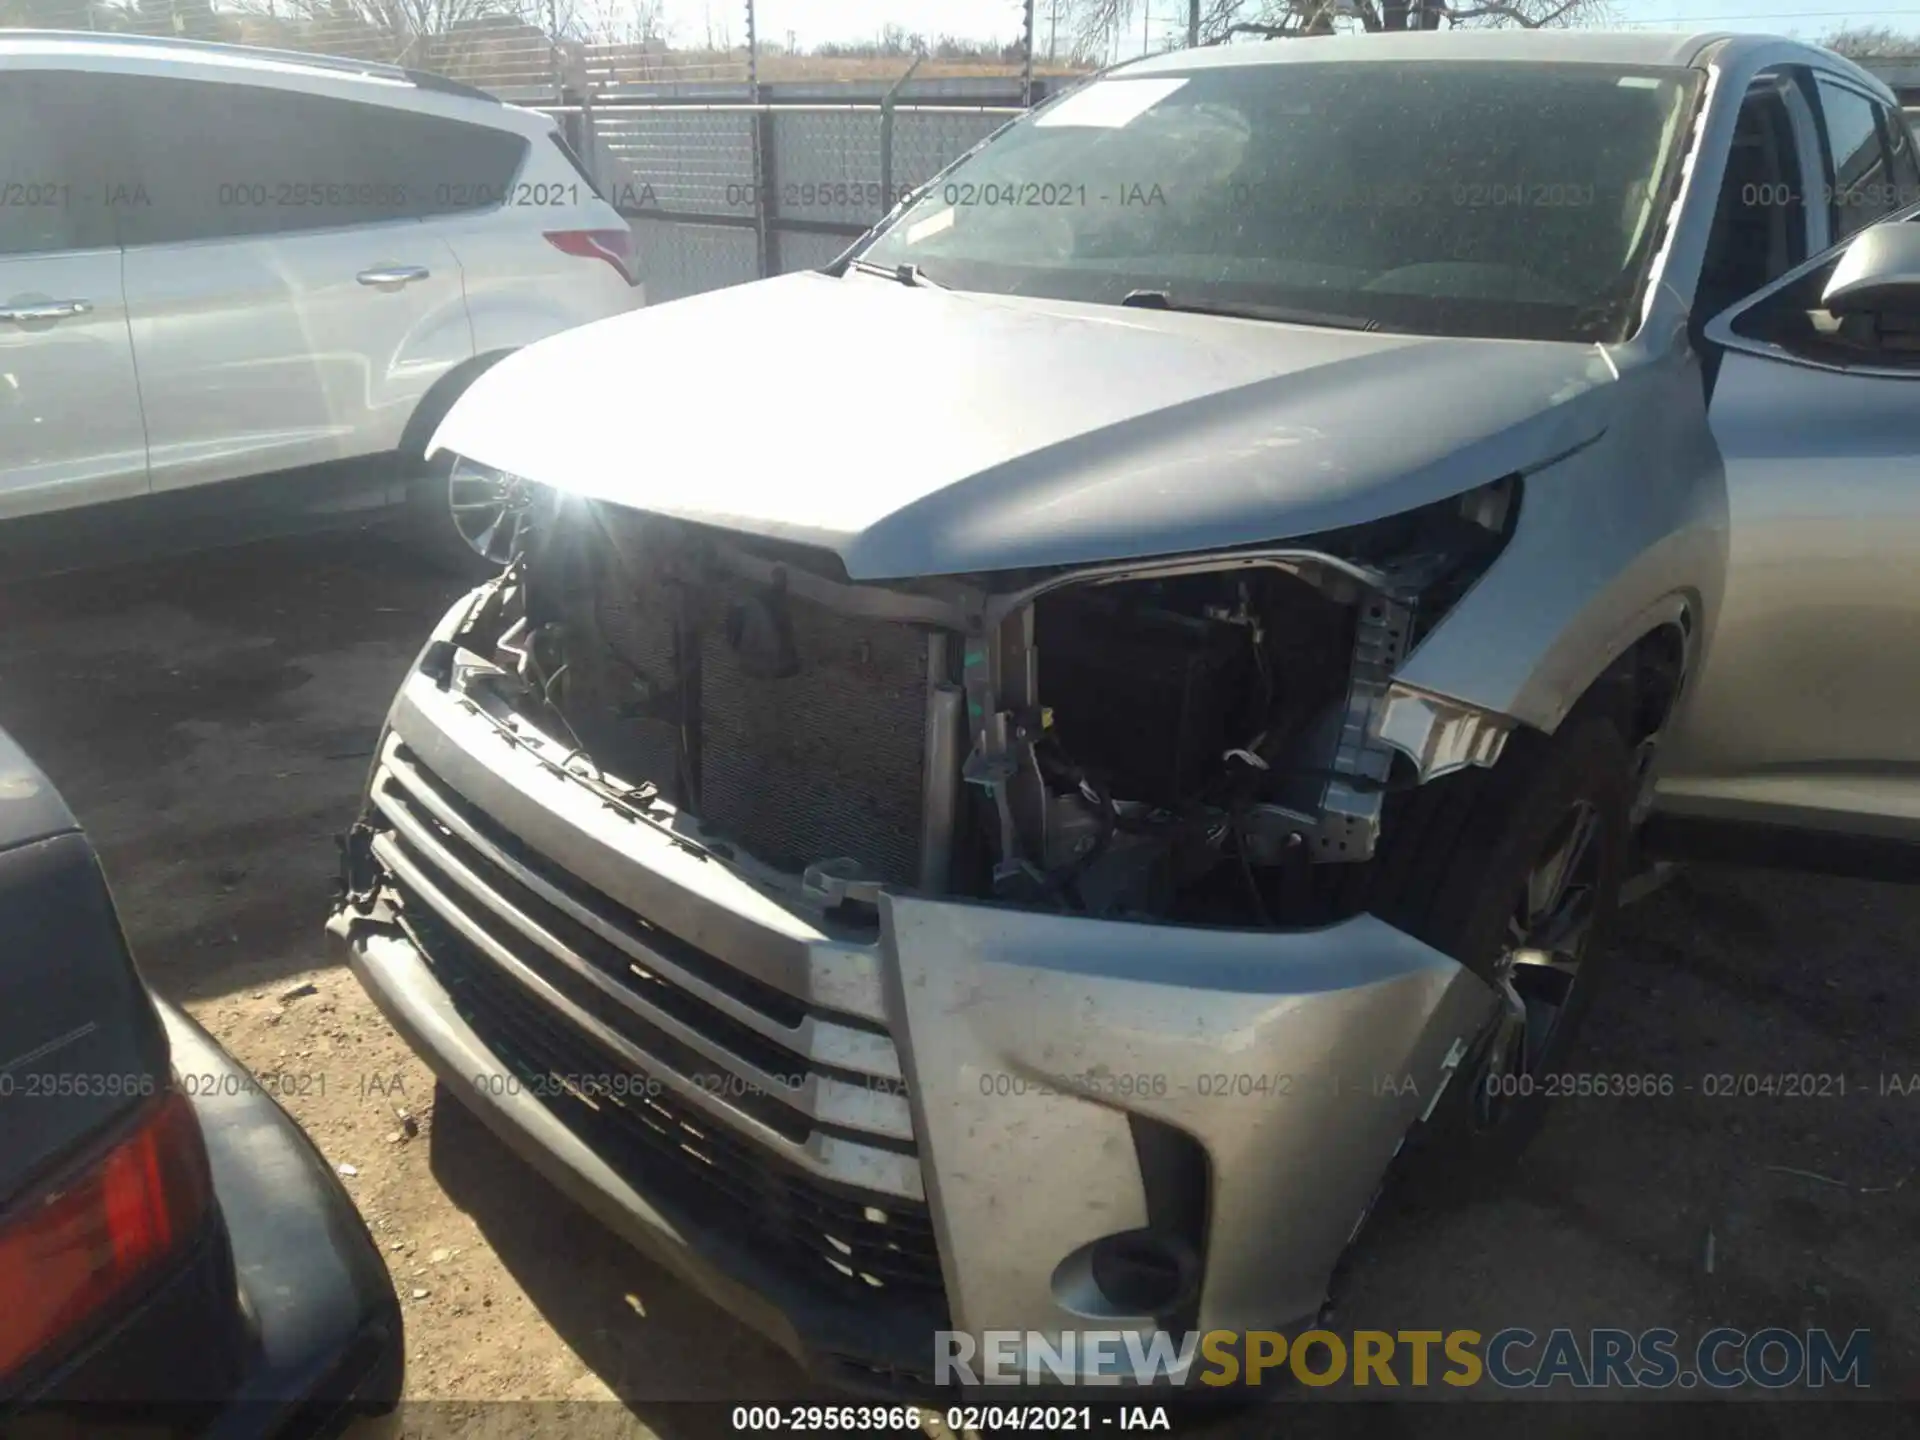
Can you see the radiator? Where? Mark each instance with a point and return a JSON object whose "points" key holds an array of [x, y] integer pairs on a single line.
{"points": [[813, 766]]}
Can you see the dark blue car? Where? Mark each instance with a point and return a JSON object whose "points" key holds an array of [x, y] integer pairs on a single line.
{"points": [[169, 1264]]}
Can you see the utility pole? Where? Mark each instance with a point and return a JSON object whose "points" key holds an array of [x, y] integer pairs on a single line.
{"points": [[1026, 62], [1193, 22], [553, 53], [1053, 32]]}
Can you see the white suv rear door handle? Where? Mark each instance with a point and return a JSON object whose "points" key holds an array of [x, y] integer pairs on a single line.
{"points": [[46, 310], [392, 275]]}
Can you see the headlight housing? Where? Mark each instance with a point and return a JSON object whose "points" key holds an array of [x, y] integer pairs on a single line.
{"points": [[1434, 554]]}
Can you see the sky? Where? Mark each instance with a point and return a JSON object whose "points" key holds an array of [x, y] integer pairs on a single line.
{"points": [[812, 21]]}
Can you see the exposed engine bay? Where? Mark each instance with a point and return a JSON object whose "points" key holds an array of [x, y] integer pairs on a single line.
{"points": [[1158, 741]]}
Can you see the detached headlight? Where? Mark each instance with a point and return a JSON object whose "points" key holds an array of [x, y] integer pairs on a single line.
{"points": [[496, 513]]}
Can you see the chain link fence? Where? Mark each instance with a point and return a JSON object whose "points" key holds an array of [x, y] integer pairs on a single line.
{"points": [[723, 192]]}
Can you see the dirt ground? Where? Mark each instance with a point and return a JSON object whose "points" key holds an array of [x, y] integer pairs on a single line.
{"points": [[211, 720]]}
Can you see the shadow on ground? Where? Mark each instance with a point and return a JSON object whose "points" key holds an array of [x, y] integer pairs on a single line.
{"points": [[211, 719], [651, 1339]]}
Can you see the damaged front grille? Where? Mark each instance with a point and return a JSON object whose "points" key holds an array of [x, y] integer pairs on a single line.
{"points": [[784, 1125], [843, 1239], [807, 726]]}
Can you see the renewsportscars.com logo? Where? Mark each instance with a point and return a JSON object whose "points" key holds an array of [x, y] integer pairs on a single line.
{"points": [[1721, 1359]]}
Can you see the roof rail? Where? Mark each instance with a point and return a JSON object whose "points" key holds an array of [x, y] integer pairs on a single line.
{"points": [[441, 84], [340, 64]]}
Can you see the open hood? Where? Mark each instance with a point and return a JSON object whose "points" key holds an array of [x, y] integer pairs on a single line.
{"points": [[919, 432]]}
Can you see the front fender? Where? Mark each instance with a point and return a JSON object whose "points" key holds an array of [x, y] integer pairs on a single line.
{"points": [[1612, 542]]}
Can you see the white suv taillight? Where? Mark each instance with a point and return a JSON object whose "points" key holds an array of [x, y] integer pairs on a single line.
{"points": [[616, 247]]}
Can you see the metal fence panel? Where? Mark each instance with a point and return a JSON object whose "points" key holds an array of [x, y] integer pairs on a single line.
{"points": [[827, 171], [676, 158], [678, 259], [826, 166], [609, 67], [927, 141], [810, 252]]}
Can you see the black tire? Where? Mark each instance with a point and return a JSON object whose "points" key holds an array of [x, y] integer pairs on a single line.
{"points": [[1455, 858]]}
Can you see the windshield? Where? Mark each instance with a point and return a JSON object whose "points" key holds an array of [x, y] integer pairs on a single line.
{"points": [[1515, 200]]}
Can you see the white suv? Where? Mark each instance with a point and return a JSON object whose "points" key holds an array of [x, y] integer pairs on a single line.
{"points": [[220, 262]]}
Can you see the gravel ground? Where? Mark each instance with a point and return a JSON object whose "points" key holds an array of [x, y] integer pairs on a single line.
{"points": [[211, 720]]}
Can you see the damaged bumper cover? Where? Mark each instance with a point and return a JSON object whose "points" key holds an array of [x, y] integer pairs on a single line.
{"points": [[1038, 1086]]}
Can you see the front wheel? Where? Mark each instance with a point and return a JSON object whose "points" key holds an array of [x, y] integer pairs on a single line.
{"points": [[431, 523], [1515, 872]]}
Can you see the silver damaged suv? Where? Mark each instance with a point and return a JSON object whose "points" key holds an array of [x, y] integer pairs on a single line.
{"points": [[1015, 782]]}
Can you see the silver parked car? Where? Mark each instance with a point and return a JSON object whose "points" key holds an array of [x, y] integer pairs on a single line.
{"points": [[1013, 782]]}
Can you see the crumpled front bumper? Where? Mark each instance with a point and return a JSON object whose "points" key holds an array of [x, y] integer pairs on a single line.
{"points": [[1028, 1046], [1296, 1061]]}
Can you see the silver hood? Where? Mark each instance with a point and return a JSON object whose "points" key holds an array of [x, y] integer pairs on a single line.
{"points": [[922, 432]]}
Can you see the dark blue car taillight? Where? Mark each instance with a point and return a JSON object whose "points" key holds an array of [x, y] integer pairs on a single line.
{"points": [[77, 1248]]}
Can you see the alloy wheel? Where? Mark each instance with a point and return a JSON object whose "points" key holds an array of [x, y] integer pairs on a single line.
{"points": [[493, 512], [1539, 968]]}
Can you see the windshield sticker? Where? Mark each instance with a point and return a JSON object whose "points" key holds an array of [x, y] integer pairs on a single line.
{"points": [[930, 226], [1110, 104]]}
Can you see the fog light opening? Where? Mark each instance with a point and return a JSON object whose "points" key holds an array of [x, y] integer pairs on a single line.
{"points": [[1141, 1271], [1136, 1274]]}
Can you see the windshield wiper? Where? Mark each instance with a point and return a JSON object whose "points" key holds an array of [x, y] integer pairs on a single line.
{"points": [[905, 274], [1247, 310]]}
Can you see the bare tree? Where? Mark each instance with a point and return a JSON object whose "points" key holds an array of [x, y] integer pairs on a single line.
{"points": [[614, 22], [1525, 14], [1099, 22], [428, 34], [1866, 42], [188, 19]]}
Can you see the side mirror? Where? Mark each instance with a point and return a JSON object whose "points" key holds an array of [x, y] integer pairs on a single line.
{"points": [[1879, 274]]}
